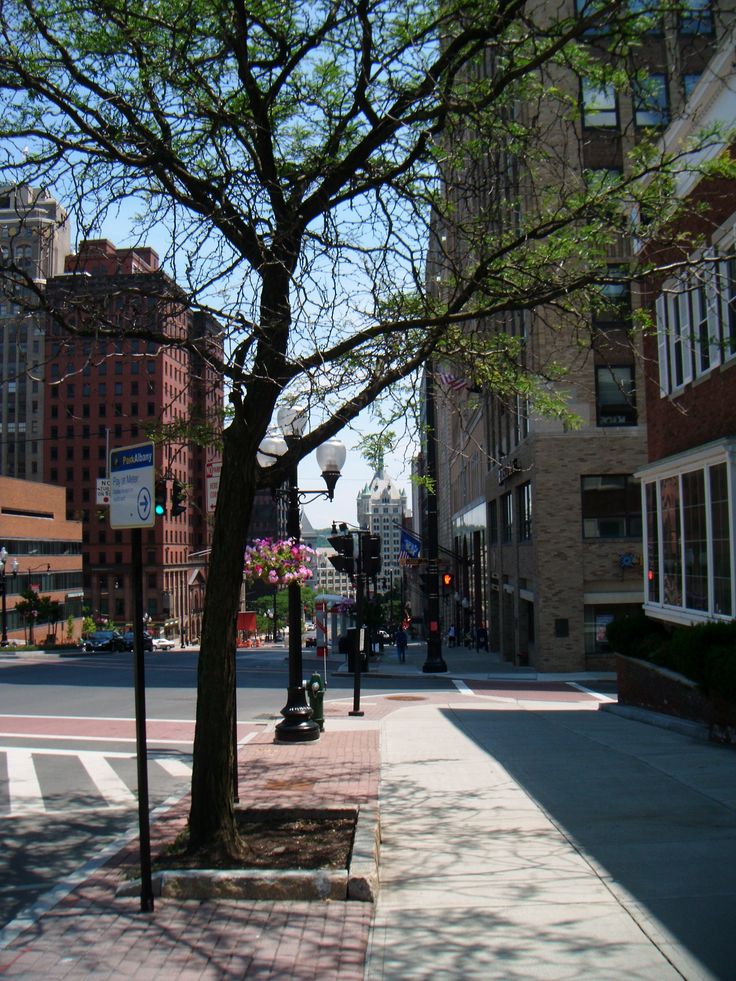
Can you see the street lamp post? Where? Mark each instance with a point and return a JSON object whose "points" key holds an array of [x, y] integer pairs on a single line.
{"points": [[3, 591], [297, 724]]}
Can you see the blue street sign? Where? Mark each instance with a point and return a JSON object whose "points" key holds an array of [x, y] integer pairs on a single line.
{"points": [[132, 477]]}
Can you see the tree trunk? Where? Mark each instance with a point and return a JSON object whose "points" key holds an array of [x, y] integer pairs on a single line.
{"points": [[211, 818]]}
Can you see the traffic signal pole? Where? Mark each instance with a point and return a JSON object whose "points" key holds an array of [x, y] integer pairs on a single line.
{"points": [[360, 581], [435, 662]]}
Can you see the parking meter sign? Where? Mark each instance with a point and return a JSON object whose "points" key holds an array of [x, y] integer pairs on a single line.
{"points": [[132, 478]]}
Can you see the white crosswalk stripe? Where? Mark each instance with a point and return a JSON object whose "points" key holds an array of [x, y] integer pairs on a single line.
{"points": [[175, 768], [109, 784], [24, 789], [24, 794]]}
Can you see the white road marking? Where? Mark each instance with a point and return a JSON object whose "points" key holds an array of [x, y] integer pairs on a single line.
{"points": [[594, 694], [113, 789], [24, 789], [462, 687], [175, 768], [23, 786], [92, 739]]}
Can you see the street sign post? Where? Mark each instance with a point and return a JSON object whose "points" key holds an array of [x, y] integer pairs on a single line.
{"points": [[103, 490], [132, 478], [214, 468]]}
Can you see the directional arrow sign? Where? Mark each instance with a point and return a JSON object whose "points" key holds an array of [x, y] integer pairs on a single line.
{"points": [[132, 477]]}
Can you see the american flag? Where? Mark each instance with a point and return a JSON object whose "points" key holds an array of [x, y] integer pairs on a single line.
{"points": [[452, 382]]}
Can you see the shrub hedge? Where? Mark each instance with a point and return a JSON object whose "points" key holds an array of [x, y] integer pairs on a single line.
{"points": [[705, 653]]}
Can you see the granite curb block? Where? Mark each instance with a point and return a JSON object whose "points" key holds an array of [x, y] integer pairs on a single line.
{"points": [[686, 727], [359, 882]]}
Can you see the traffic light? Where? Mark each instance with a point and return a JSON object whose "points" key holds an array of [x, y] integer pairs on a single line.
{"points": [[372, 555], [344, 561], [448, 580], [161, 498], [178, 498]]}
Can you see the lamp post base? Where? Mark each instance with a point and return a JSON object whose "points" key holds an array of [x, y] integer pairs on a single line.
{"points": [[297, 726], [435, 663]]}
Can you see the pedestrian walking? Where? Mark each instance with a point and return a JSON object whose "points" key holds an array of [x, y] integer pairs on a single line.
{"points": [[401, 640], [481, 638], [451, 635]]}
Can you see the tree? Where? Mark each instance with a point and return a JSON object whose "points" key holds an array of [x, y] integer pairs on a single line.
{"points": [[296, 154], [29, 607]]}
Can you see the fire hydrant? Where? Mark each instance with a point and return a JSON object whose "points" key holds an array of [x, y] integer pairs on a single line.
{"points": [[316, 695]]}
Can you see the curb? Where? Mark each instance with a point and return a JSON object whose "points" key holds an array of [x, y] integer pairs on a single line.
{"points": [[686, 727], [359, 882]]}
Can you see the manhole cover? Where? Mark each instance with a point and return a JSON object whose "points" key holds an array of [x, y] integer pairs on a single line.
{"points": [[289, 784], [406, 698]]}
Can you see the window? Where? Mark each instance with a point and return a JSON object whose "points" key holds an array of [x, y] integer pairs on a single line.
{"points": [[524, 511], [614, 387], [611, 506], [696, 17], [651, 101], [596, 619], [599, 105], [493, 521], [614, 304], [688, 539], [696, 322], [507, 518], [689, 81]]}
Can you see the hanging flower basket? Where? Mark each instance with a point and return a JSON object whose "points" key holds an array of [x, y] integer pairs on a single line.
{"points": [[278, 563]]}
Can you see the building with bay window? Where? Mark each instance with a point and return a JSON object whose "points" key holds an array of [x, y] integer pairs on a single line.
{"points": [[689, 483]]}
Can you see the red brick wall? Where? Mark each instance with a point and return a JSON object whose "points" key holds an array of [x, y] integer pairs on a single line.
{"points": [[704, 410]]}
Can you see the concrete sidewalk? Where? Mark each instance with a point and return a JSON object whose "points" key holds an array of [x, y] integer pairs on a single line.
{"points": [[552, 843], [525, 835]]}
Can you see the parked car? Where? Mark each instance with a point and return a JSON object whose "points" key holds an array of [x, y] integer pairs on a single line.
{"points": [[105, 640], [163, 644], [129, 638], [310, 638]]}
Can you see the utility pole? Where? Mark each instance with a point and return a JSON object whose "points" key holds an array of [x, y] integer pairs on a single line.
{"points": [[435, 662]]}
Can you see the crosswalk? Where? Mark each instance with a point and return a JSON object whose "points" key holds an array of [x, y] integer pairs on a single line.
{"points": [[57, 781]]}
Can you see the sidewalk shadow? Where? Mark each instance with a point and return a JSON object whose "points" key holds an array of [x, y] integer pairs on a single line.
{"points": [[654, 810]]}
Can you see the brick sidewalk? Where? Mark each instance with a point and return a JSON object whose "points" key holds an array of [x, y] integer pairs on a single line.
{"points": [[94, 934]]}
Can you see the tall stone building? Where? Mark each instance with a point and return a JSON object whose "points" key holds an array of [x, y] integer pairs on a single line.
{"points": [[34, 241], [382, 509], [543, 520]]}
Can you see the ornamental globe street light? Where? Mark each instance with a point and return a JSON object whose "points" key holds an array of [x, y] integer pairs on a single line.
{"points": [[331, 459], [297, 724]]}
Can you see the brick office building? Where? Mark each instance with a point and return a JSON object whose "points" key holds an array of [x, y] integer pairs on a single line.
{"points": [[44, 554], [110, 392]]}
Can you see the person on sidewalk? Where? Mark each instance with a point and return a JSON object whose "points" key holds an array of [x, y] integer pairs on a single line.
{"points": [[401, 639], [481, 637], [451, 635]]}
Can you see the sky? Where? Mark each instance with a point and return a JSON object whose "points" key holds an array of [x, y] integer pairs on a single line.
{"points": [[355, 475], [356, 472]]}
